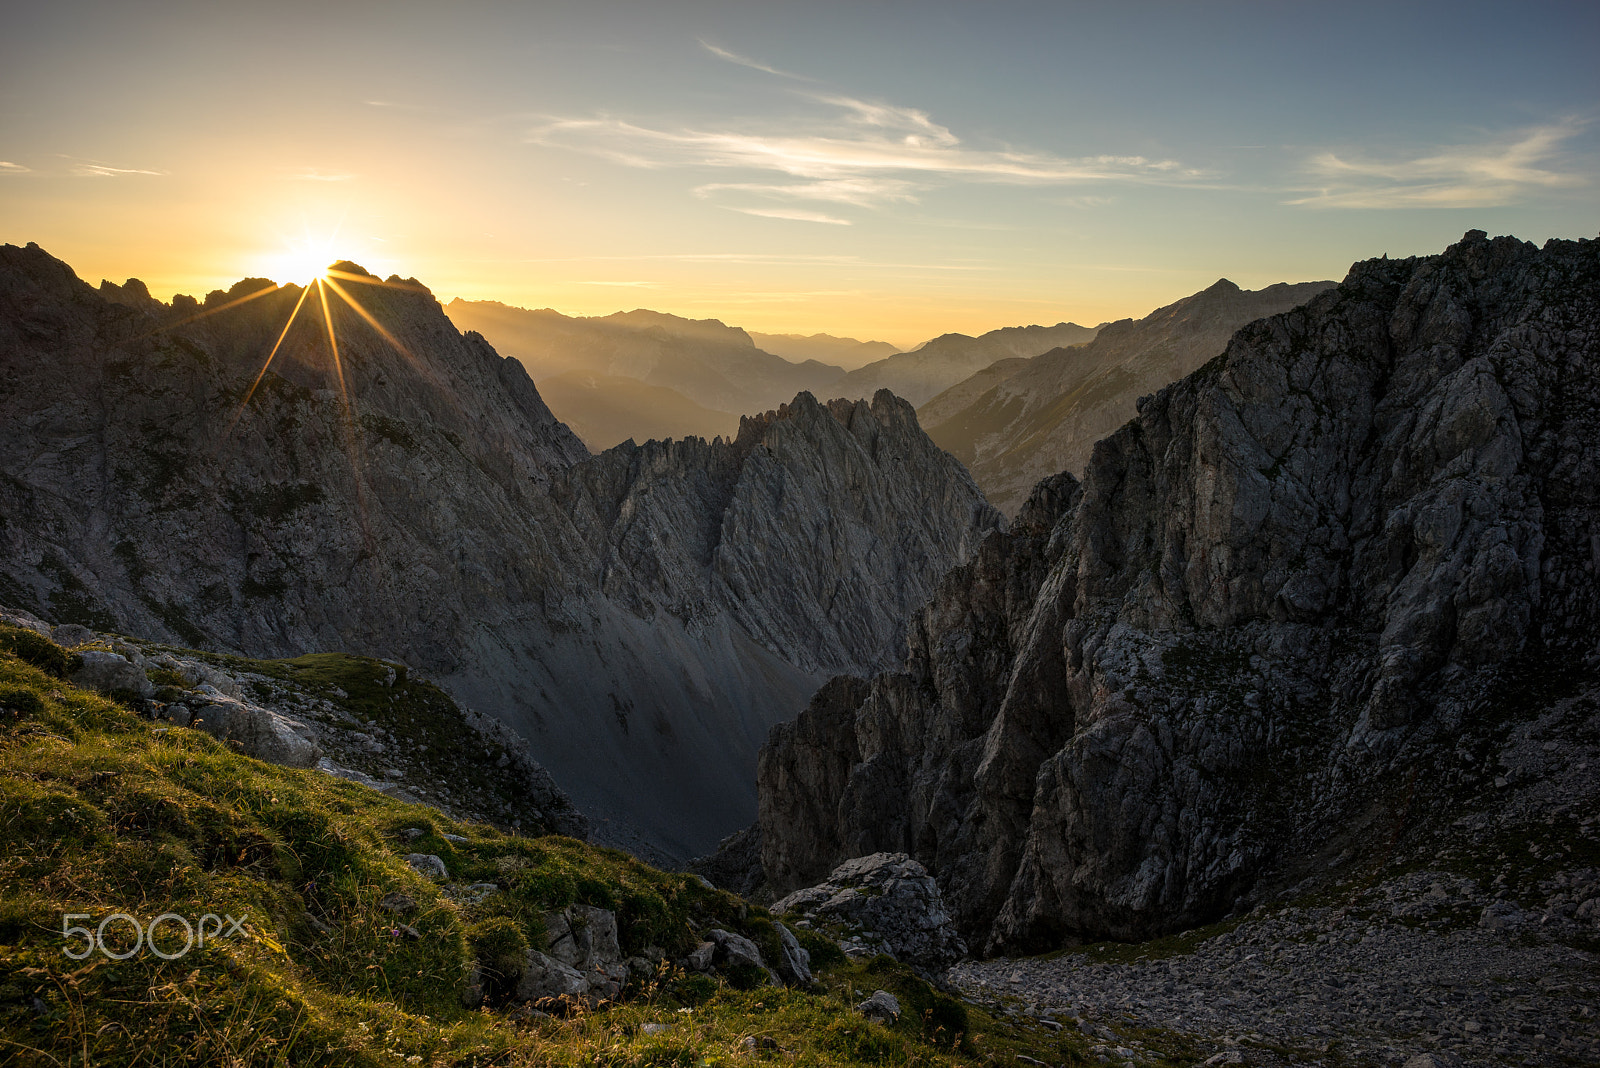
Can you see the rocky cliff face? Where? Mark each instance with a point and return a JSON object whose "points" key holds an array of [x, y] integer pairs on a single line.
{"points": [[1018, 421], [642, 617], [1295, 603]]}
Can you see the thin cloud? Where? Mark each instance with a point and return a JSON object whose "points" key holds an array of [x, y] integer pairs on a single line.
{"points": [[13, 168], [863, 154], [745, 61], [859, 192], [795, 216], [1456, 176], [92, 169]]}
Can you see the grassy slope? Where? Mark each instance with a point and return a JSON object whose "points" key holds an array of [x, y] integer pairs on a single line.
{"points": [[103, 812]]}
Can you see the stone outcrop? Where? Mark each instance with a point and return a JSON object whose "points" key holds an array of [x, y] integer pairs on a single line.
{"points": [[883, 903], [1338, 559], [314, 724], [641, 617], [1019, 420]]}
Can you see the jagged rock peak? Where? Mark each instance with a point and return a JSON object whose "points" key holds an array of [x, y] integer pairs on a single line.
{"points": [[1337, 557], [642, 616]]}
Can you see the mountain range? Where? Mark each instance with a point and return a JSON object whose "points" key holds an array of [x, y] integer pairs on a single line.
{"points": [[1337, 588], [949, 358], [641, 617], [595, 369], [846, 352], [1019, 420], [711, 365]]}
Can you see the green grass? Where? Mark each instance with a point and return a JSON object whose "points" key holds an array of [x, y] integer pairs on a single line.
{"points": [[103, 812]]}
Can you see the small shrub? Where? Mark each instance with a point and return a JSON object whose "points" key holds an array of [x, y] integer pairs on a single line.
{"points": [[35, 649], [21, 700], [500, 947]]}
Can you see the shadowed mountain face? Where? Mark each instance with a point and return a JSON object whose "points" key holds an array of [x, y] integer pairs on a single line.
{"points": [[642, 616], [946, 360], [714, 366], [1297, 605], [1018, 421]]}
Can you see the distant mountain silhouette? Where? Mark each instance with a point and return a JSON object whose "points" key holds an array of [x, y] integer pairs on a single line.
{"points": [[713, 365], [920, 375], [847, 352], [606, 410]]}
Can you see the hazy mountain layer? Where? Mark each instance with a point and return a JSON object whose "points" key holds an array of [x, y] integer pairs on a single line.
{"points": [[1311, 597], [846, 352], [713, 365], [1013, 422], [941, 363], [606, 410], [642, 616]]}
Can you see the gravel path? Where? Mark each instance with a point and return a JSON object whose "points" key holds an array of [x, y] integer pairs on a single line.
{"points": [[1428, 964]]}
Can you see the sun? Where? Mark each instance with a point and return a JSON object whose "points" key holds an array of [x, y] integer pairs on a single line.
{"points": [[300, 262]]}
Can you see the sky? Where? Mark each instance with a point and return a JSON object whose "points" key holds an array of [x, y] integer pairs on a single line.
{"points": [[878, 170]]}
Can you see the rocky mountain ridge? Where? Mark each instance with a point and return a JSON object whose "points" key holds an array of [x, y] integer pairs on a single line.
{"points": [[937, 365], [641, 617], [1017, 421], [1354, 551]]}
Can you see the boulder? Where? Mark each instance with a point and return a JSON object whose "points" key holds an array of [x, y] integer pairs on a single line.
{"points": [[881, 1007], [260, 732], [545, 978], [890, 904], [72, 635], [795, 963], [583, 937], [427, 865], [734, 951], [108, 672], [699, 959]]}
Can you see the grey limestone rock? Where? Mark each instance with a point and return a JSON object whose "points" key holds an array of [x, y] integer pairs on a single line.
{"points": [[641, 617], [428, 865], [700, 957], [887, 902], [795, 963], [1017, 421], [1307, 566], [881, 1007], [108, 672], [546, 979]]}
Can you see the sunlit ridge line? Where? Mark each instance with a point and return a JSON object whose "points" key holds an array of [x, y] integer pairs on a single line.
{"points": [[263, 291], [369, 280], [382, 331]]}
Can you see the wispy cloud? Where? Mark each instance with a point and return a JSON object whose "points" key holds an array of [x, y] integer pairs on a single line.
{"points": [[860, 192], [13, 168], [789, 213], [861, 153], [1495, 172], [745, 61], [95, 169]]}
